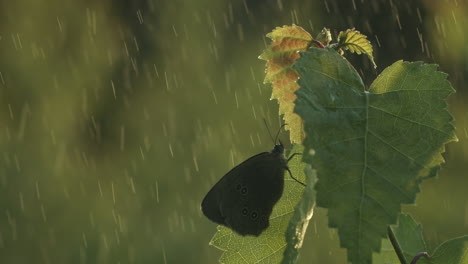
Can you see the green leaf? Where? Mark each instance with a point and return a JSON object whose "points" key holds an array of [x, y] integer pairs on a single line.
{"points": [[408, 235], [372, 148], [454, 251], [269, 246], [355, 42], [409, 239], [302, 214]]}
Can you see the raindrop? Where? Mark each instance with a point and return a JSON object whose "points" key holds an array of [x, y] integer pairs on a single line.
{"points": [[104, 240], [214, 96], [167, 81], [38, 193], [195, 162], [59, 24], [156, 70], [233, 163], [327, 7], [164, 254], [113, 89], [132, 185], [91, 220], [21, 199], [240, 32], [252, 140], [136, 44], [170, 150], [11, 112], [419, 14], [100, 188], [140, 17], [17, 164], [43, 212], [378, 41], [253, 111], [157, 191], [113, 192], [85, 242], [280, 5], [142, 153]]}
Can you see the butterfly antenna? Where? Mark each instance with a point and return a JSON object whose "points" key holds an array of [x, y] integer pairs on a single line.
{"points": [[279, 130], [268, 129]]}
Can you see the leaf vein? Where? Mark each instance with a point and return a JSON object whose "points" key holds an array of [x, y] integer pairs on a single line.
{"points": [[396, 149], [391, 183], [409, 120]]}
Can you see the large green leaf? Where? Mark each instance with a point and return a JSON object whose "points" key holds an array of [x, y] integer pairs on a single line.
{"points": [[372, 148], [302, 214], [269, 246]]}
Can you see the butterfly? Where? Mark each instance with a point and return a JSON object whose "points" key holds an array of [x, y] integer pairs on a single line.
{"points": [[244, 198]]}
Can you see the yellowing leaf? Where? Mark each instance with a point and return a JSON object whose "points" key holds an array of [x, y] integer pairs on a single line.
{"points": [[356, 42], [280, 56]]}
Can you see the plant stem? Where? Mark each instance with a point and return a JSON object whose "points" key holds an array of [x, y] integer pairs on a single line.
{"points": [[396, 246], [319, 44], [418, 256]]}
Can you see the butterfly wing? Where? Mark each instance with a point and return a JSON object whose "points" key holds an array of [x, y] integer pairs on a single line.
{"points": [[244, 198], [210, 206]]}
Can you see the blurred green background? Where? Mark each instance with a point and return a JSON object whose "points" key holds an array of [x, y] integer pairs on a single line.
{"points": [[116, 117]]}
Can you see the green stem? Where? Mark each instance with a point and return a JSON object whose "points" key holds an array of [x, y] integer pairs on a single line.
{"points": [[418, 256], [319, 44], [396, 246]]}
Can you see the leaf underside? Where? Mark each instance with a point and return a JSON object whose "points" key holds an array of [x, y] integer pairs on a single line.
{"points": [[280, 56], [270, 245], [372, 148]]}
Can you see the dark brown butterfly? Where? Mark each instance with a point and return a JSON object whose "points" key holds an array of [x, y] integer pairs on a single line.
{"points": [[243, 199]]}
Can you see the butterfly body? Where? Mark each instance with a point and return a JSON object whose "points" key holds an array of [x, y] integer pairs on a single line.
{"points": [[243, 199]]}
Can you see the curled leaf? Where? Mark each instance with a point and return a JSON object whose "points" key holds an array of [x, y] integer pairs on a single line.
{"points": [[302, 214]]}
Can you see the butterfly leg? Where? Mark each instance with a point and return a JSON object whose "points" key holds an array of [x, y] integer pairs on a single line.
{"points": [[292, 156], [293, 176]]}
